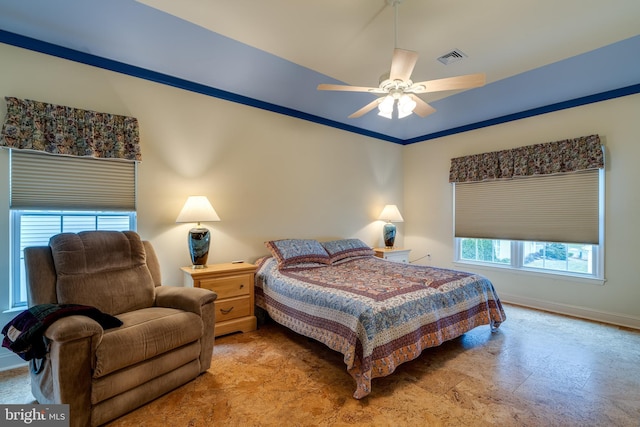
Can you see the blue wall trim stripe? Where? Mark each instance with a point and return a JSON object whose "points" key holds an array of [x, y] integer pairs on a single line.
{"points": [[598, 97], [131, 70]]}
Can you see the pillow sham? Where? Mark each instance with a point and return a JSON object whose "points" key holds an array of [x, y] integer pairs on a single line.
{"points": [[290, 252], [346, 248], [303, 265]]}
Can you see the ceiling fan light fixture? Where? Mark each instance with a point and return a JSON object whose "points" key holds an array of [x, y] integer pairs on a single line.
{"points": [[406, 106], [385, 108], [385, 114]]}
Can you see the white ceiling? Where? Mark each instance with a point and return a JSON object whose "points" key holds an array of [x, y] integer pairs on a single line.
{"points": [[351, 41]]}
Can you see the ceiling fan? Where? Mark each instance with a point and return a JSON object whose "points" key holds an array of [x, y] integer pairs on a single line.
{"points": [[398, 87]]}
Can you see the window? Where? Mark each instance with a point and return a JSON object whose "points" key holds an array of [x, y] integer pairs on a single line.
{"points": [[528, 212], [485, 250], [538, 208], [34, 228], [568, 257], [55, 194], [545, 257]]}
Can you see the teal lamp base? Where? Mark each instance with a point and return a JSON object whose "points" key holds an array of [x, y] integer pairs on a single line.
{"points": [[389, 234], [199, 239]]}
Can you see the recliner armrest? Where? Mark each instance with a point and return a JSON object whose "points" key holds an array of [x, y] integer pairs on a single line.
{"points": [[187, 299], [72, 328], [68, 368], [75, 332]]}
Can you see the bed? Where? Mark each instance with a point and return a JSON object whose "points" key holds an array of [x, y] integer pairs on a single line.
{"points": [[378, 314]]}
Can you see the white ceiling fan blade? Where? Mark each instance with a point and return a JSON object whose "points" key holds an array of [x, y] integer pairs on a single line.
{"points": [[364, 110], [402, 64], [346, 88], [422, 108], [450, 83]]}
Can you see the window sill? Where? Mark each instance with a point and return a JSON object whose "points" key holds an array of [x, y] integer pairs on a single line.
{"points": [[551, 275], [15, 309]]}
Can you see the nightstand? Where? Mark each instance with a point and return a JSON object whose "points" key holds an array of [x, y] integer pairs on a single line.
{"points": [[393, 254], [233, 282]]}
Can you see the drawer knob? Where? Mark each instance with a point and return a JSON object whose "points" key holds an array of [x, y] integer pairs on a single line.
{"points": [[242, 286], [227, 311]]}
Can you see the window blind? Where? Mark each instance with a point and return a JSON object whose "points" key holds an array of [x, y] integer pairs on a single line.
{"points": [[43, 181], [547, 208]]}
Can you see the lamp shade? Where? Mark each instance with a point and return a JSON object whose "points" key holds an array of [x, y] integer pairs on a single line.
{"points": [[390, 213], [197, 209]]}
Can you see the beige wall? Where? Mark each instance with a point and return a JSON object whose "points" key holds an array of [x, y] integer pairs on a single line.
{"points": [[271, 176], [429, 219], [267, 175]]}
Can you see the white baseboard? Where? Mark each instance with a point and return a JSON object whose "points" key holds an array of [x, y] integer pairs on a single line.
{"points": [[575, 311]]}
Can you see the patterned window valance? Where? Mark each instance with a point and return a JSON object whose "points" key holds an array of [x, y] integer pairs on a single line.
{"points": [[70, 131], [570, 155]]}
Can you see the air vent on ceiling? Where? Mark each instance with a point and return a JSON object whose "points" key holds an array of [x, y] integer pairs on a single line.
{"points": [[451, 57]]}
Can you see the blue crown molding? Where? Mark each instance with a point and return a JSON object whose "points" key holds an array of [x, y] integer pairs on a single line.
{"points": [[134, 71], [131, 70], [589, 99]]}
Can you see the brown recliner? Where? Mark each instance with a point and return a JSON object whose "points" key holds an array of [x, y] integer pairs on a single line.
{"points": [[166, 338]]}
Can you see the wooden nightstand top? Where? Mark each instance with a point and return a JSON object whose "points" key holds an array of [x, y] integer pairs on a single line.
{"points": [[388, 250], [393, 254], [227, 267]]}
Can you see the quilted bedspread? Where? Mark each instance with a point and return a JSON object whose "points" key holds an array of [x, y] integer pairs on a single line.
{"points": [[377, 313]]}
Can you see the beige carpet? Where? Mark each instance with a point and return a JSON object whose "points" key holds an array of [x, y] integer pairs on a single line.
{"points": [[538, 370]]}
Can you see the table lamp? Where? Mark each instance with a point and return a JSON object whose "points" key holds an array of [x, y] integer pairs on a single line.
{"points": [[391, 214], [198, 209]]}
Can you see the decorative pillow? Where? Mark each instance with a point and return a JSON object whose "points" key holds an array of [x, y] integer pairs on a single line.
{"points": [[347, 248], [290, 252]]}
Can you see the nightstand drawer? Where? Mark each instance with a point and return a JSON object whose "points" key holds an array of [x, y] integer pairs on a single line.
{"points": [[232, 308], [227, 287], [233, 282]]}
